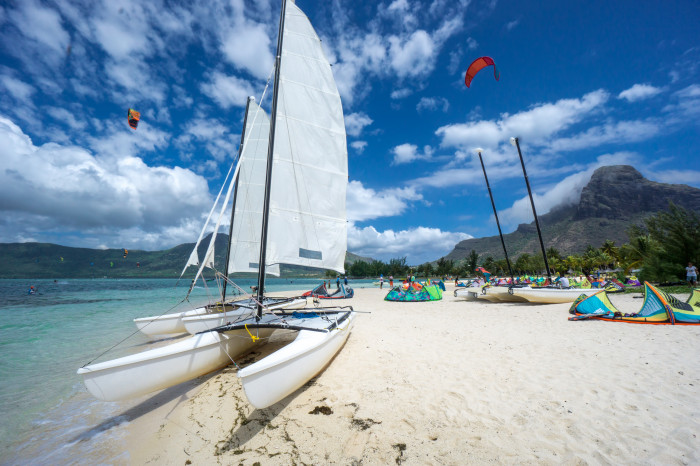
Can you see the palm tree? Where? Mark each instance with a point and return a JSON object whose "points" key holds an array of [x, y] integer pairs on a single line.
{"points": [[609, 248], [641, 247]]}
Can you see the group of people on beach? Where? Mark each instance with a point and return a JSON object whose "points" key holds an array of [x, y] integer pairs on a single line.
{"points": [[337, 281], [381, 281]]}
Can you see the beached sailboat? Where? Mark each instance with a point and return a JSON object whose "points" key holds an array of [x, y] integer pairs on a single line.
{"points": [[304, 215], [546, 294], [303, 223], [498, 293], [244, 240]]}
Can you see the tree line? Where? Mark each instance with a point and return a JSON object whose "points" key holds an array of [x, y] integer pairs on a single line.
{"points": [[660, 249]]}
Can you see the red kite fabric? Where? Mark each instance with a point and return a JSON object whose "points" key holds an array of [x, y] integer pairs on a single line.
{"points": [[477, 65]]}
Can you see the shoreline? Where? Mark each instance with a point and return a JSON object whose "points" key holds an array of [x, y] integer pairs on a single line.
{"points": [[452, 382]]}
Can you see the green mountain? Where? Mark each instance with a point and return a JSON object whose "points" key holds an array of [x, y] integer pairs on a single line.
{"points": [[615, 198], [44, 260]]}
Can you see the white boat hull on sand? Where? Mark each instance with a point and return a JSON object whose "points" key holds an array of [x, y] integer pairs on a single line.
{"points": [[202, 323], [164, 367], [175, 323], [500, 294], [283, 372], [167, 323], [552, 295], [468, 293]]}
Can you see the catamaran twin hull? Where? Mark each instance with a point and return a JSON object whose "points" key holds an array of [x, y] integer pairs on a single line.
{"points": [[495, 294], [210, 316], [552, 295], [202, 323], [469, 293], [156, 369], [321, 335]]}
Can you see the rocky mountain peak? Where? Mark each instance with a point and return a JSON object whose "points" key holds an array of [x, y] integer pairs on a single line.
{"points": [[620, 191]]}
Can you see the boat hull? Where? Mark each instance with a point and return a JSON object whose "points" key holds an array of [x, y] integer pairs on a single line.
{"points": [[159, 368], [470, 293], [167, 323], [202, 323], [501, 294], [283, 372], [552, 295]]}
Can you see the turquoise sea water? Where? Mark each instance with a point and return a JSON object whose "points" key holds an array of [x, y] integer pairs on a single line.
{"points": [[48, 416]]}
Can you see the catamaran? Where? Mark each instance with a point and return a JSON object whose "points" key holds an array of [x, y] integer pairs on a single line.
{"points": [[303, 223], [243, 240]]}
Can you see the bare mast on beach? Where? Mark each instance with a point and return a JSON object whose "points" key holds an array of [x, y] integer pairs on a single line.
{"points": [[516, 143], [500, 233]]}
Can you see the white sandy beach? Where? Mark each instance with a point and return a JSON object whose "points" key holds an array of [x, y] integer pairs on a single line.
{"points": [[453, 382]]}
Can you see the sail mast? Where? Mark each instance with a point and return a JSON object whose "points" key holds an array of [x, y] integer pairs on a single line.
{"points": [[235, 195], [500, 233], [268, 178], [516, 143]]}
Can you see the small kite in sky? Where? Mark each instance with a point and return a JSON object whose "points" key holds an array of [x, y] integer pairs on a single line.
{"points": [[133, 116], [477, 65]]}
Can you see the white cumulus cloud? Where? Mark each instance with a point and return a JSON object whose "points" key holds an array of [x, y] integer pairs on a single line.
{"points": [[639, 92], [61, 187], [356, 122], [367, 203], [536, 125], [419, 245]]}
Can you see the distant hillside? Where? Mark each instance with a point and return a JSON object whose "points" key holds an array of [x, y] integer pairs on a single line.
{"points": [[615, 198], [351, 258], [45, 260]]}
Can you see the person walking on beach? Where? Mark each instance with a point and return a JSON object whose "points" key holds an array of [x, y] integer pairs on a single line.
{"points": [[691, 273]]}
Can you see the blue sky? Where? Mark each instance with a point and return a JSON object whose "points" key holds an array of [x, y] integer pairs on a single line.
{"points": [[583, 84]]}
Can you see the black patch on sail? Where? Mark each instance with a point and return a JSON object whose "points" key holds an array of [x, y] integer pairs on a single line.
{"points": [[253, 265], [309, 254]]}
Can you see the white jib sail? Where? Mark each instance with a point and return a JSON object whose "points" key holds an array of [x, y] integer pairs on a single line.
{"points": [[194, 258], [247, 217], [307, 222]]}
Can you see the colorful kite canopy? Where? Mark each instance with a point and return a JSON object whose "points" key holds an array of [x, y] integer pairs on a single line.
{"points": [[133, 116], [477, 65]]}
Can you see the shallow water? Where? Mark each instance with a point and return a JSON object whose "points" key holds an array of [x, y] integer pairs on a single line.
{"points": [[48, 416]]}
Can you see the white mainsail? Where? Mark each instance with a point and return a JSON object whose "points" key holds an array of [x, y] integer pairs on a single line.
{"points": [[247, 217], [307, 220]]}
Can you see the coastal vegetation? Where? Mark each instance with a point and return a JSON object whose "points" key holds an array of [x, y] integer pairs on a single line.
{"points": [[658, 251]]}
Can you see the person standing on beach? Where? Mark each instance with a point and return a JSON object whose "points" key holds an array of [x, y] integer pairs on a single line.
{"points": [[337, 282], [381, 281], [391, 281], [345, 279], [691, 273]]}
